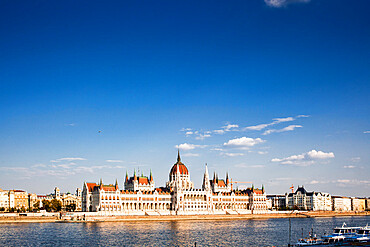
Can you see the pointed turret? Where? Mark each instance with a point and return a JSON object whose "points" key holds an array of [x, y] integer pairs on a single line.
{"points": [[178, 155], [151, 176], [116, 184], [263, 189], [227, 178], [126, 176], [101, 182], [135, 177], [206, 184]]}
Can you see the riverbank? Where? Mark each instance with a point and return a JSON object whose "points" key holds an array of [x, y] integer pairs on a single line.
{"points": [[54, 219]]}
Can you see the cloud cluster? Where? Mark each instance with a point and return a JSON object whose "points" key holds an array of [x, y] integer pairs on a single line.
{"points": [[188, 146], [243, 142], [282, 3], [305, 159], [274, 122], [66, 159], [288, 128]]}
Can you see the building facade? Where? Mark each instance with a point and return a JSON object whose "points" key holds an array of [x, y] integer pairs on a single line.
{"points": [[341, 204], [278, 202], [6, 199], [178, 197], [312, 201]]}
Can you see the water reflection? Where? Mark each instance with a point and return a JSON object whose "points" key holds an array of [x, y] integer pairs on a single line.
{"points": [[169, 233]]}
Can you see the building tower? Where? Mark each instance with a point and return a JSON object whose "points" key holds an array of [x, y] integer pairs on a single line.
{"points": [[57, 193], [206, 184], [179, 174]]}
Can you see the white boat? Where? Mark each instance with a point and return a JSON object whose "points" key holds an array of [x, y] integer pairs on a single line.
{"points": [[362, 235], [340, 234]]}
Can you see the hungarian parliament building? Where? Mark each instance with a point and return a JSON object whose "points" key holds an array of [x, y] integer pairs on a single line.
{"points": [[179, 197]]}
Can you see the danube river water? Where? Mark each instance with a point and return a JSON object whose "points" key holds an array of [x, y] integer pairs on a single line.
{"points": [[267, 232]]}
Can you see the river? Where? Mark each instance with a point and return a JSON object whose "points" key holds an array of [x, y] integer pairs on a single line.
{"points": [[266, 232]]}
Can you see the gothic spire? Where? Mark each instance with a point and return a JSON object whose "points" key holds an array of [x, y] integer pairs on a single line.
{"points": [[178, 155]]}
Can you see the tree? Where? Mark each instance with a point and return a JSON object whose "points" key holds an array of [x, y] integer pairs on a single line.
{"points": [[56, 205], [2, 209], [36, 206], [46, 205]]}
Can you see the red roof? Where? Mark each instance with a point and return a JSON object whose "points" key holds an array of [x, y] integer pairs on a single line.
{"points": [[179, 166], [91, 186], [143, 180], [109, 188], [221, 183]]}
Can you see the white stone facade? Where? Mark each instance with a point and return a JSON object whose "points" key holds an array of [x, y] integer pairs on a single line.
{"points": [[179, 197], [313, 201], [341, 204]]}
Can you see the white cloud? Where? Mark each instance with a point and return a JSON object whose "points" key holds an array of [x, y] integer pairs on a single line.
{"points": [[114, 161], [67, 159], [189, 133], [220, 132], [190, 155], [226, 128], [288, 128], [262, 152], [232, 154], [345, 181], [282, 120], [276, 121], [349, 167], [202, 136], [243, 142], [305, 159], [257, 127], [352, 182], [281, 3], [367, 132], [356, 159], [230, 127], [188, 146], [185, 129]]}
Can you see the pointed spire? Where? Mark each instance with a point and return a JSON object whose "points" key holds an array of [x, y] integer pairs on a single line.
{"points": [[227, 178], [151, 176], [135, 177], [263, 189], [126, 176], [101, 181], [116, 184], [178, 155], [206, 183]]}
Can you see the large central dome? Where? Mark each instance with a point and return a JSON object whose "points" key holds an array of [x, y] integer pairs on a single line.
{"points": [[179, 166]]}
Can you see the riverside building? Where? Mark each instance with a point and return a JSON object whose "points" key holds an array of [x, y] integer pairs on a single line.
{"points": [[313, 201], [179, 197]]}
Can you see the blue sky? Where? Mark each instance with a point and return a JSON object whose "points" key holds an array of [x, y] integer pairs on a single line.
{"points": [[274, 92]]}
